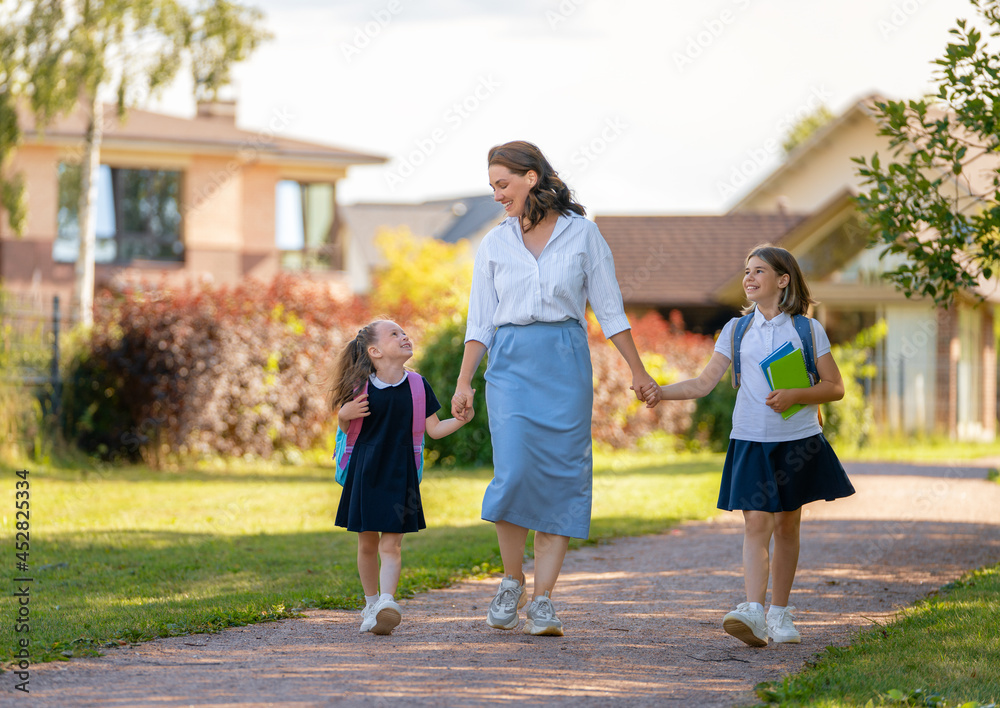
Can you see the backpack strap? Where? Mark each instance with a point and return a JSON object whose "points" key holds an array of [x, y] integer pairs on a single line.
{"points": [[416, 382], [739, 329], [353, 431], [804, 328]]}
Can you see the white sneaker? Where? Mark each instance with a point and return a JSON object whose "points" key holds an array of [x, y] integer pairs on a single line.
{"points": [[747, 625], [367, 619], [542, 620], [510, 597], [387, 615], [780, 626]]}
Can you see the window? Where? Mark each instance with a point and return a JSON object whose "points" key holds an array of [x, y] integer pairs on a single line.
{"points": [[137, 212], [306, 229]]}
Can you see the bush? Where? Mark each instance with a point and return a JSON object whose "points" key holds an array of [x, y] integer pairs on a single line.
{"points": [[712, 421], [440, 361], [233, 371], [848, 423], [669, 353]]}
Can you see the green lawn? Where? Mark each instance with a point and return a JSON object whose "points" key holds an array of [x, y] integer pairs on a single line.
{"points": [[128, 554], [942, 652]]}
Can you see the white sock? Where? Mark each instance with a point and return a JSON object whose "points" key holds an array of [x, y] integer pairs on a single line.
{"points": [[756, 606], [385, 596], [371, 599], [775, 609]]}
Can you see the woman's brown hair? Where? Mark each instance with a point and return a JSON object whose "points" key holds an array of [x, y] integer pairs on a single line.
{"points": [[549, 192], [795, 298], [352, 367]]}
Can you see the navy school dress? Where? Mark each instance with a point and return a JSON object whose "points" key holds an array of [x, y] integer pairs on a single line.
{"points": [[381, 492]]}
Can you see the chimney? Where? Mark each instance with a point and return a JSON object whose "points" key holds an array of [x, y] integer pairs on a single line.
{"points": [[218, 110]]}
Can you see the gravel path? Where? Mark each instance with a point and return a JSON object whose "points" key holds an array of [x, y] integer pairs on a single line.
{"points": [[643, 619]]}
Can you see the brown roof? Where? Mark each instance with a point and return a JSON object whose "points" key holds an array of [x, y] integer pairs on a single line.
{"points": [[207, 132], [673, 261]]}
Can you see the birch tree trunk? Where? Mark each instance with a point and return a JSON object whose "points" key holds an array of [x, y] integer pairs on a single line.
{"points": [[83, 289]]}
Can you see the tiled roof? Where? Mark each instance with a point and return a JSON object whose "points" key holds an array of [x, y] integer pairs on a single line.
{"points": [[209, 132], [670, 261]]}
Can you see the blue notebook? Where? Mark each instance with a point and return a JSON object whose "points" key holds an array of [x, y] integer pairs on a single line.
{"points": [[781, 351], [785, 367]]}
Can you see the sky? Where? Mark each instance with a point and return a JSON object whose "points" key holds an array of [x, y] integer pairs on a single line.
{"points": [[642, 106]]}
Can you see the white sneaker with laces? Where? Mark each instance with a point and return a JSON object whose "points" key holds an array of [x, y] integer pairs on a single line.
{"points": [[780, 626], [542, 620], [510, 597], [367, 619], [387, 615], [747, 625]]}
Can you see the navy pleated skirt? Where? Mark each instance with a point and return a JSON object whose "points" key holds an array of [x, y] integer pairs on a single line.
{"points": [[781, 476], [540, 396]]}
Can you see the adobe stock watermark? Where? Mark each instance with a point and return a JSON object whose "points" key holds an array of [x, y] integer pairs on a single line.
{"points": [[758, 158], [365, 34], [563, 12], [587, 153], [699, 42], [454, 116], [899, 14]]}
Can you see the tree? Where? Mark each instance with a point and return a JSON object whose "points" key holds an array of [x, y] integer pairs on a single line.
{"points": [[801, 131], [428, 275], [937, 200], [58, 55]]}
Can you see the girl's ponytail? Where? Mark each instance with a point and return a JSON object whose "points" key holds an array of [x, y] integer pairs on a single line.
{"points": [[351, 368]]}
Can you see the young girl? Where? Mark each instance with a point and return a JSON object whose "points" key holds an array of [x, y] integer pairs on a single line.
{"points": [[381, 496], [773, 465]]}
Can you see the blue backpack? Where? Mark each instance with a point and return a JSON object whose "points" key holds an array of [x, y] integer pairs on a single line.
{"points": [[345, 441], [803, 326]]}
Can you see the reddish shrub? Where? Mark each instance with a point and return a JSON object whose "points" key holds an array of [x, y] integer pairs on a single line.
{"points": [[619, 418], [234, 371]]}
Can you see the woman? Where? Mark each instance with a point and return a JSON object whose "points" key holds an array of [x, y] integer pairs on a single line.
{"points": [[534, 274]]}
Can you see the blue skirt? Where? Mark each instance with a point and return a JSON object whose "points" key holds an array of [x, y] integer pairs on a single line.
{"points": [[781, 476], [540, 394]]}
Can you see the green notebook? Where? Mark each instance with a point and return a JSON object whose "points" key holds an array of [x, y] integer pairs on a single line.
{"points": [[789, 371]]}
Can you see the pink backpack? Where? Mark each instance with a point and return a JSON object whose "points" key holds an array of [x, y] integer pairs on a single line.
{"points": [[345, 441]]}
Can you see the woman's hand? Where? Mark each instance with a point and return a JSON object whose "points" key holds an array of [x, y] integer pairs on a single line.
{"points": [[646, 389], [462, 402]]}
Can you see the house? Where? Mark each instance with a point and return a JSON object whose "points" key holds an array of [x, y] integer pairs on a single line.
{"points": [[179, 199], [937, 367], [449, 220]]}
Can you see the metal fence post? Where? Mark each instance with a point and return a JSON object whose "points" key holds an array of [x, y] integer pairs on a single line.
{"points": [[56, 380]]}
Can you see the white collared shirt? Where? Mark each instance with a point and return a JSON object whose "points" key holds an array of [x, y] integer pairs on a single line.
{"points": [[752, 419], [510, 287]]}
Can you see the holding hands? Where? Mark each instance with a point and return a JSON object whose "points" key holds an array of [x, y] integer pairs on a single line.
{"points": [[646, 389], [462, 403]]}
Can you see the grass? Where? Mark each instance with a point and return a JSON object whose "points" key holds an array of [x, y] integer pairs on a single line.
{"points": [[944, 651], [924, 450], [129, 554]]}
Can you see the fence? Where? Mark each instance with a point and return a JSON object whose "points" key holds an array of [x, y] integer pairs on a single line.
{"points": [[29, 342]]}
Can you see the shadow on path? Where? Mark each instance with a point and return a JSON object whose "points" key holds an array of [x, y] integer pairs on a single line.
{"points": [[642, 615]]}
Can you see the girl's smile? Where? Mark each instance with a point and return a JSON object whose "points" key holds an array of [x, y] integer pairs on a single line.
{"points": [[392, 342], [762, 284]]}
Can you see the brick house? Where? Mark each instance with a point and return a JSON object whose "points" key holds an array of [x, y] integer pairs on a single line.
{"points": [[179, 199], [937, 368]]}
